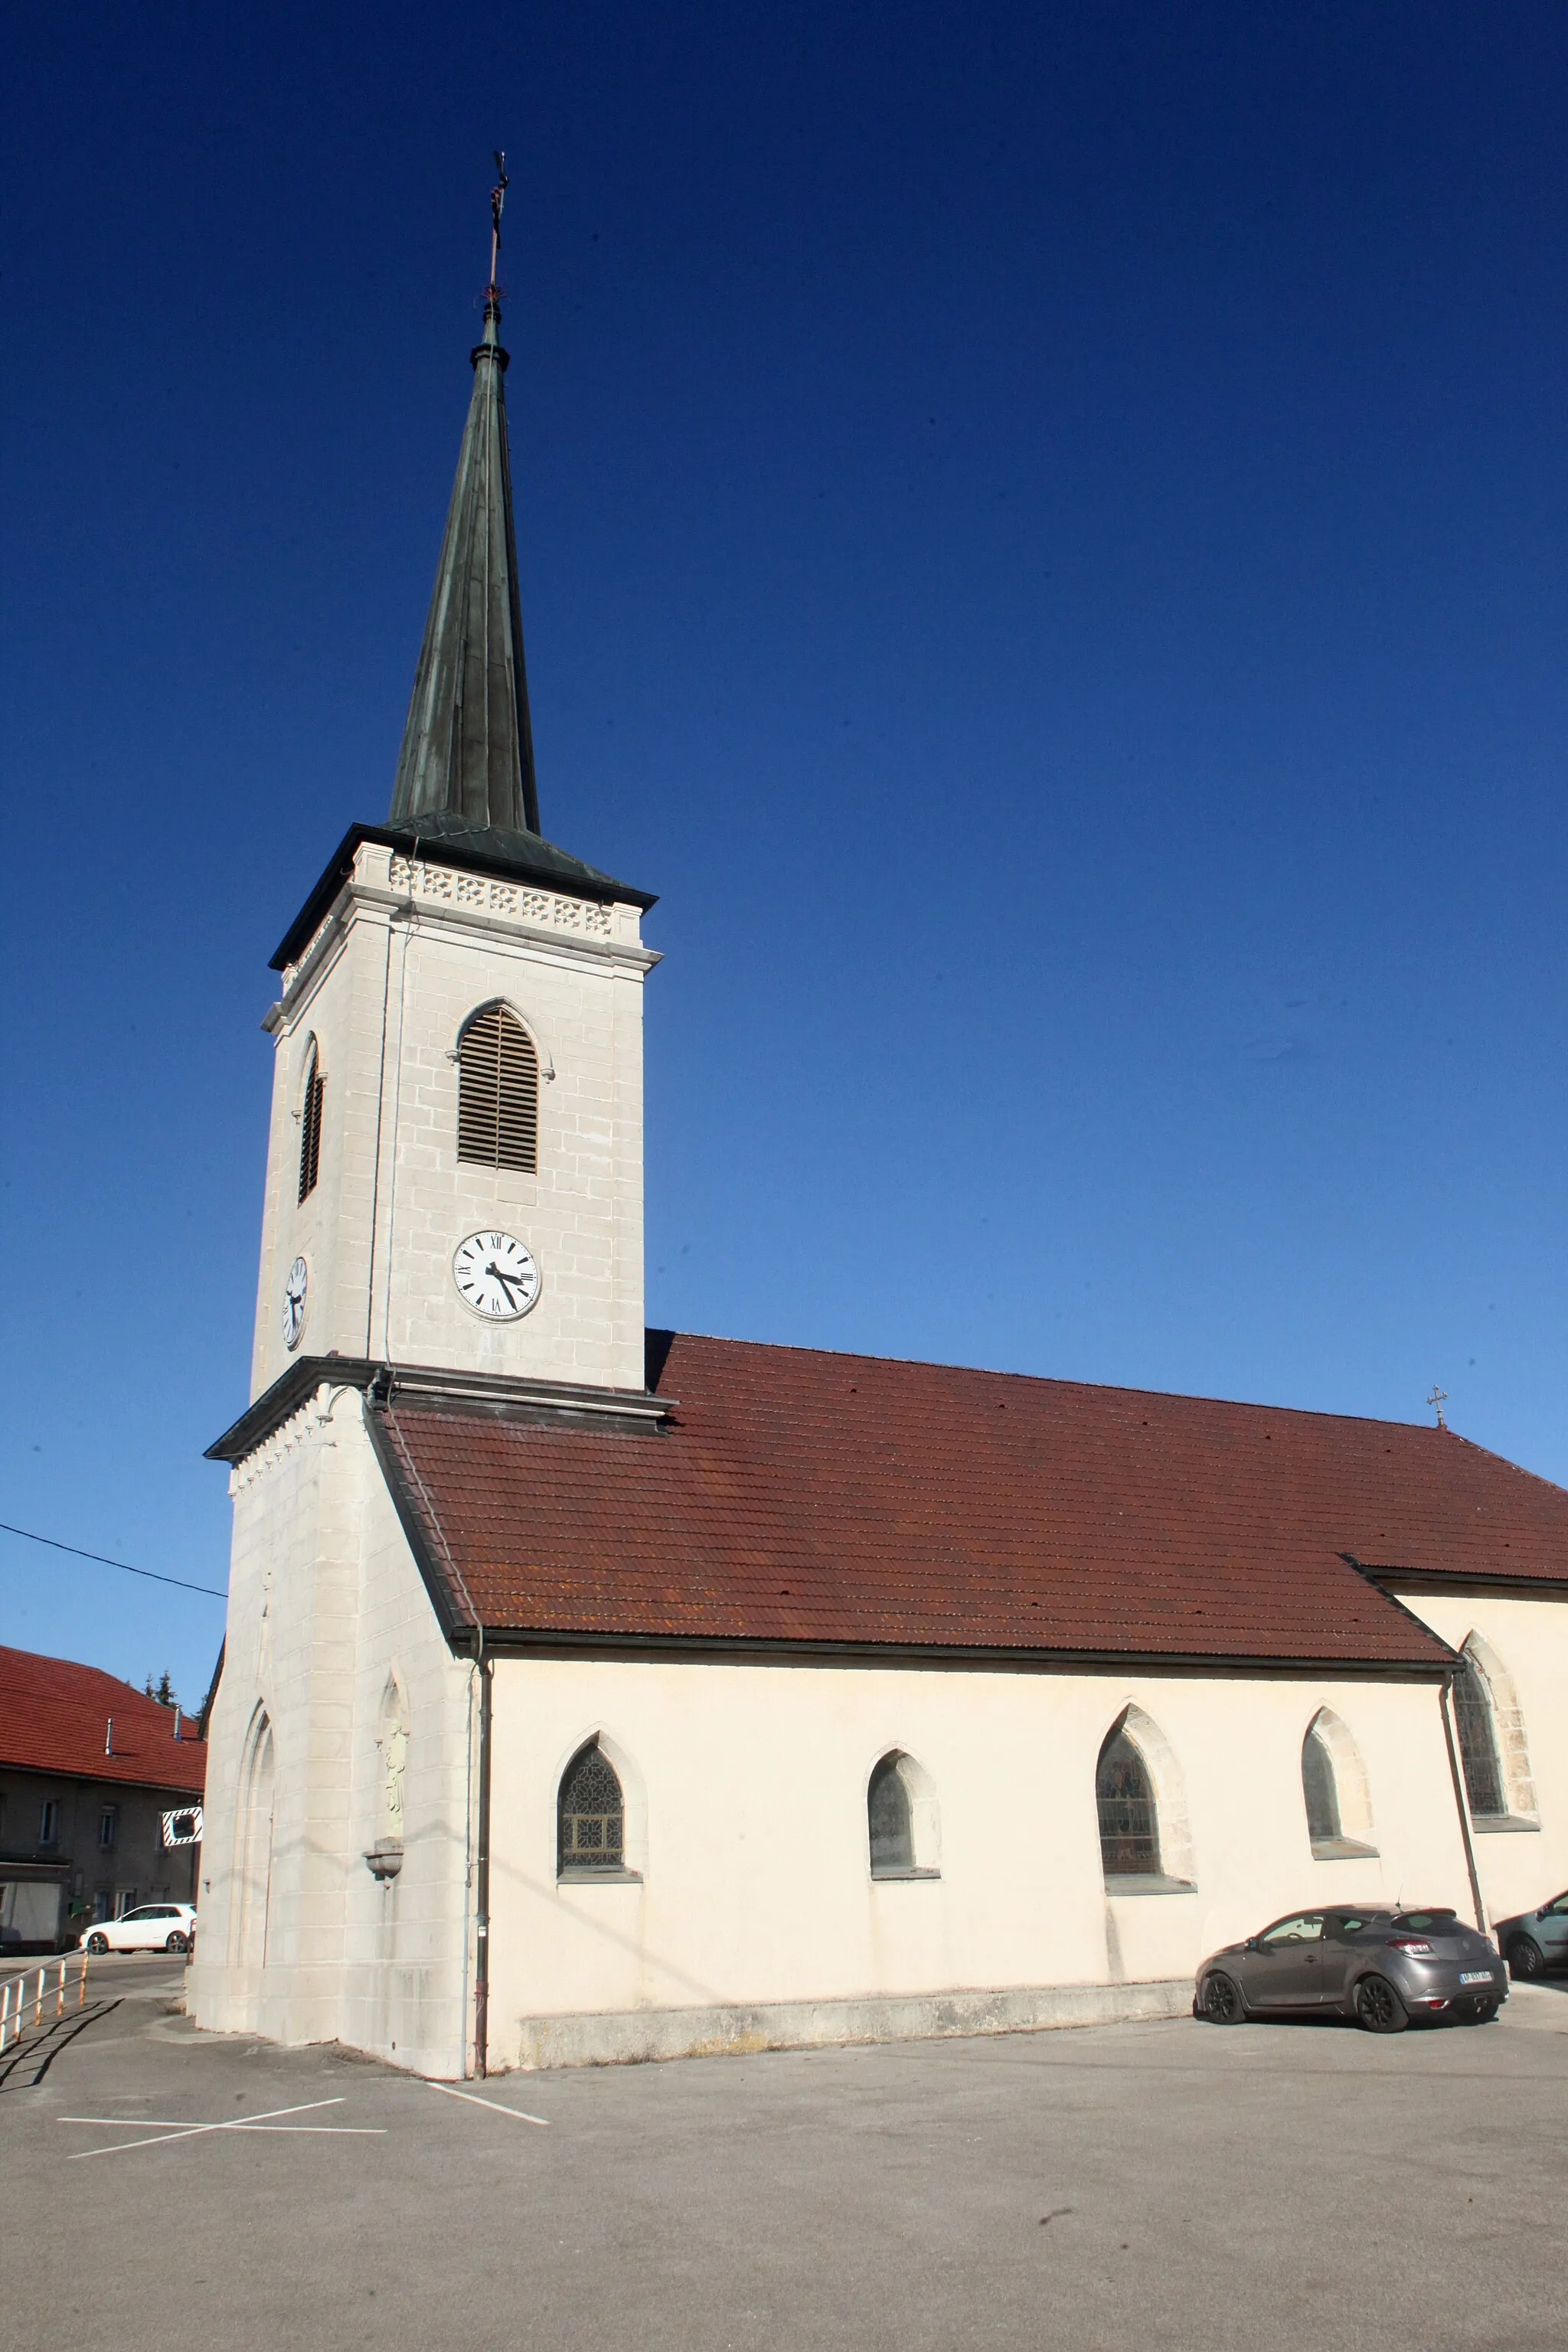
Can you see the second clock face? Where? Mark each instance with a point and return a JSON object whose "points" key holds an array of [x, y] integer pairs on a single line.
{"points": [[295, 1288], [495, 1275]]}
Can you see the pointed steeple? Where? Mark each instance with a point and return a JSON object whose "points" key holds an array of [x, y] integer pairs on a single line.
{"points": [[468, 748]]}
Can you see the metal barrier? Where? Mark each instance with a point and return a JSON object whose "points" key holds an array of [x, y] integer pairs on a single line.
{"points": [[26, 1999]]}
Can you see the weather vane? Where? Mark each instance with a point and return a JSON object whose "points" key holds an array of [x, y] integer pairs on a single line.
{"points": [[1437, 1400], [497, 198]]}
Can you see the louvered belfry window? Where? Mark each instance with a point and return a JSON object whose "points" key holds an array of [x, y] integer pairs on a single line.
{"points": [[311, 1127], [498, 1092]]}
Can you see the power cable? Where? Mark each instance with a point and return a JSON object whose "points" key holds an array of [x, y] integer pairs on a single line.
{"points": [[104, 1561]]}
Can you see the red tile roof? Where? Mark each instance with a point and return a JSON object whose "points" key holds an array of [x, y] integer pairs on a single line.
{"points": [[799, 1498], [54, 1716]]}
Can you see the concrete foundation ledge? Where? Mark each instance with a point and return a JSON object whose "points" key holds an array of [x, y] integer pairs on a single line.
{"points": [[630, 2037]]}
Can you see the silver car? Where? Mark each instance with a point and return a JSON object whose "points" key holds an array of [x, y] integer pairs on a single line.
{"points": [[1381, 1966], [1536, 1940]]}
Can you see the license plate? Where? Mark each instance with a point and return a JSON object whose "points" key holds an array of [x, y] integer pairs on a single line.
{"points": [[1475, 1976]]}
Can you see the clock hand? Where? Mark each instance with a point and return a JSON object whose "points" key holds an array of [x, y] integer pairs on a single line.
{"points": [[506, 1280]]}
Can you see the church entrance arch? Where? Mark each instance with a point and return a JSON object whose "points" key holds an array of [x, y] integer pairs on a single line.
{"points": [[253, 1847]]}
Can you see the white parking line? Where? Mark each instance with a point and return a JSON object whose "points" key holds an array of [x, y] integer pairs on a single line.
{"points": [[266, 2121], [494, 2104]]}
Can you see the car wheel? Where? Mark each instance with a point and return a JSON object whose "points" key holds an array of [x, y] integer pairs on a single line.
{"points": [[1222, 2000], [97, 1945], [174, 1943], [1525, 1957], [1379, 2008]]}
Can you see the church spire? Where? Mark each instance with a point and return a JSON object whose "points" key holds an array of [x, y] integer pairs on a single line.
{"points": [[468, 748]]}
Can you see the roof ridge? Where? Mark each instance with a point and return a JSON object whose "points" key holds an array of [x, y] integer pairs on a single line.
{"points": [[1063, 1380]]}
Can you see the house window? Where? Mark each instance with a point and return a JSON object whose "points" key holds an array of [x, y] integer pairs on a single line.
{"points": [[1319, 1788], [591, 1819], [1129, 1821], [109, 1826], [50, 1821], [310, 1124], [498, 1092], [124, 1901], [1477, 1742]]}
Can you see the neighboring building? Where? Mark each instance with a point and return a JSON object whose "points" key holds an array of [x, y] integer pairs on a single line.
{"points": [[100, 1800], [592, 1693]]}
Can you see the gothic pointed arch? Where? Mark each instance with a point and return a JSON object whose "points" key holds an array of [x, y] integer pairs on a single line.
{"points": [[392, 1736], [1335, 1789], [601, 1812], [1145, 1833], [253, 1846], [902, 1823], [1490, 1722]]}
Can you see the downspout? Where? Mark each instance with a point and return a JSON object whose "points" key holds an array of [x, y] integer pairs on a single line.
{"points": [[1445, 1700], [482, 1868]]}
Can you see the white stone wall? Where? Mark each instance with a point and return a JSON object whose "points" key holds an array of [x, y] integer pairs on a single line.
{"points": [[407, 954], [326, 1609], [745, 1789], [1523, 1864]]}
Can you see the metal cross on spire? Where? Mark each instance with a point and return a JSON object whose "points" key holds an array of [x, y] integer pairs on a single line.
{"points": [[498, 201], [1437, 1400]]}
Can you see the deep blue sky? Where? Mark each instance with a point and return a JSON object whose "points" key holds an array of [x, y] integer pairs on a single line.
{"points": [[1043, 536]]}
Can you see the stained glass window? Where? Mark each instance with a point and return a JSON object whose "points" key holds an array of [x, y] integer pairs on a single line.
{"points": [[1129, 1821], [1318, 1788], [892, 1831], [1477, 1742], [592, 1819]]}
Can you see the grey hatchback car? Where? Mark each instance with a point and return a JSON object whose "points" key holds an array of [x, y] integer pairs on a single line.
{"points": [[1382, 1967], [1536, 1940]]}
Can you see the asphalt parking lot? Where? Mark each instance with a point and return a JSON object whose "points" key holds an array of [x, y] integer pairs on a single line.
{"points": [[1168, 2185]]}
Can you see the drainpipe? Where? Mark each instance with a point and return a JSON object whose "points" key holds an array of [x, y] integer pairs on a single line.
{"points": [[482, 1869], [1445, 1701]]}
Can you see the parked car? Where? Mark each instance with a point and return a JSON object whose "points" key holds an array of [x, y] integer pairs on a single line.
{"points": [[1536, 1940], [1381, 1966], [150, 1927]]}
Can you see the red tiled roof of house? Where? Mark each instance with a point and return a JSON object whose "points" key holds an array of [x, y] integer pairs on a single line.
{"points": [[799, 1498], [54, 1716]]}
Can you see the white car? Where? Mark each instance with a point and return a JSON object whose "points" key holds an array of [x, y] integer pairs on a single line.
{"points": [[150, 1927]]}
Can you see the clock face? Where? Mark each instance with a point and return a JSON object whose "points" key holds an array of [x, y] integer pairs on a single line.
{"points": [[294, 1288], [496, 1276]]}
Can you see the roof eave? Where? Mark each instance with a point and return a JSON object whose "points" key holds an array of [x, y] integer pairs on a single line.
{"points": [[469, 856]]}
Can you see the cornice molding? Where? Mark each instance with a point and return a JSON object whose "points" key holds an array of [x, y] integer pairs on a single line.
{"points": [[431, 1384]]}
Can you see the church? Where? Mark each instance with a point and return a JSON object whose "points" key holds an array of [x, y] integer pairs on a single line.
{"points": [[592, 1693]]}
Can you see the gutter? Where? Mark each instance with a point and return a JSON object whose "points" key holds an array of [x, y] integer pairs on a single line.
{"points": [[482, 1870], [1461, 1803]]}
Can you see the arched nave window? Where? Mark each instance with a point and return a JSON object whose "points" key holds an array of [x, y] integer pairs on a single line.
{"points": [[498, 1092], [1491, 1726], [1145, 1833], [1318, 1787], [902, 1818], [590, 1816], [1334, 1788], [311, 1096], [1129, 1816]]}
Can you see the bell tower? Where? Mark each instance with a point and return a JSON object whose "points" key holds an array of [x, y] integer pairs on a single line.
{"points": [[455, 1164]]}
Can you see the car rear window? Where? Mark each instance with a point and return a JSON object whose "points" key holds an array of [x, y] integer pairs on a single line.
{"points": [[1430, 1923]]}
